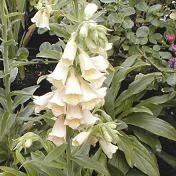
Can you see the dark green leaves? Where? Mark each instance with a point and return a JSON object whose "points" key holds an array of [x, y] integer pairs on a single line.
{"points": [[137, 155], [154, 125], [91, 164]]}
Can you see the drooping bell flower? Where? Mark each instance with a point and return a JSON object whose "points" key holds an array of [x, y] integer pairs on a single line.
{"points": [[56, 103], [88, 118], [58, 133], [108, 148], [73, 91], [58, 76], [80, 138], [70, 50], [41, 18], [41, 102]]}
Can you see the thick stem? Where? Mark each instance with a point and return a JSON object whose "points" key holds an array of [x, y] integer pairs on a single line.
{"points": [[68, 152], [5, 53]]}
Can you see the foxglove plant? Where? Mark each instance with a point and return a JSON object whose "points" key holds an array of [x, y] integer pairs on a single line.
{"points": [[78, 88]]}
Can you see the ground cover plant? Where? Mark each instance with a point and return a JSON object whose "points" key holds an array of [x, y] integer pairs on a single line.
{"points": [[97, 97]]}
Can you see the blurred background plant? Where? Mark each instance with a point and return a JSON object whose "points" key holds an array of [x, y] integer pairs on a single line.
{"points": [[141, 95]]}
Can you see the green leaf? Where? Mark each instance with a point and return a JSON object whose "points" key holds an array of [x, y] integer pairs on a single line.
{"points": [[155, 8], [55, 153], [127, 23], [12, 171], [49, 51], [135, 87], [92, 164], [142, 31], [171, 79], [126, 67], [127, 11], [119, 162], [149, 139], [140, 157], [6, 123], [142, 6], [154, 125], [170, 159]]}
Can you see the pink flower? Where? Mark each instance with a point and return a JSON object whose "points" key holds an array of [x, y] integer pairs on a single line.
{"points": [[170, 38]]}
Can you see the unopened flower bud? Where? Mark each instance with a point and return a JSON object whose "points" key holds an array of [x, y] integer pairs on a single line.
{"points": [[90, 9], [84, 31], [106, 135], [28, 143], [170, 38]]}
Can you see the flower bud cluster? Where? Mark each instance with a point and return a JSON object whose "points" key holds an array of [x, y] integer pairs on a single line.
{"points": [[78, 87]]}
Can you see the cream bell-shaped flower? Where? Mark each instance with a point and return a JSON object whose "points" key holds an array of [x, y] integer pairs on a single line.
{"points": [[97, 83], [73, 116], [73, 91], [58, 133], [74, 112], [41, 18], [80, 138], [56, 103], [89, 96], [108, 148], [72, 123], [88, 119], [90, 10], [58, 76], [41, 102], [100, 63], [88, 69], [69, 53]]}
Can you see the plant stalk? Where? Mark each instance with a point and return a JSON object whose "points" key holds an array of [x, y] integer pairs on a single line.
{"points": [[5, 54], [68, 152]]}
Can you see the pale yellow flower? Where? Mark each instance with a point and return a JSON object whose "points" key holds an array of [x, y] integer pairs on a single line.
{"points": [[58, 133], [91, 96], [41, 102], [41, 18], [58, 76], [100, 63], [56, 103], [88, 69], [108, 148], [80, 138], [73, 91], [88, 119], [69, 53], [72, 123]]}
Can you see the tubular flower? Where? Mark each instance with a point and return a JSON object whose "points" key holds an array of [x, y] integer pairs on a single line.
{"points": [[72, 90], [58, 133], [56, 104], [80, 138], [108, 148], [58, 76], [41, 18], [42, 101], [69, 52]]}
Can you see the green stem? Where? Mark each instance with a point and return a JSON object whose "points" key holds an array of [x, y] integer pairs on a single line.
{"points": [[76, 7], [68, 152], [5, 54]]}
